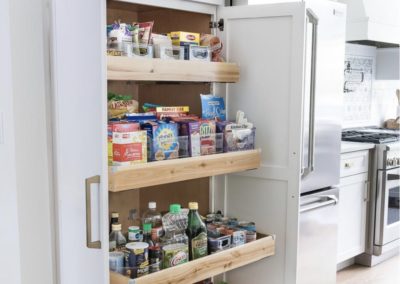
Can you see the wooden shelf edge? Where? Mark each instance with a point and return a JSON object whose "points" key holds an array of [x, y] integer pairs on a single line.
{"points": [[208, 266], [121, 68], [162, 172]]}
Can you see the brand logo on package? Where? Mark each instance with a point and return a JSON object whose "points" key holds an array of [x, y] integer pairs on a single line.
{"points": [[179, 258], [190, 37]]}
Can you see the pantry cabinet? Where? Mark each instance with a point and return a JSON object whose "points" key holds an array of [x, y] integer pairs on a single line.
{"points": [[264, 78], [354, 197]]}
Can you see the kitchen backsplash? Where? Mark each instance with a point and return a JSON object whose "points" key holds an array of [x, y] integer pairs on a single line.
{"points": [[366, 101]]}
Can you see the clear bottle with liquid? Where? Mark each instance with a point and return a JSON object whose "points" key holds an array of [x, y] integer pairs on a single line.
{"points": [[117, 239], [153, 217]]}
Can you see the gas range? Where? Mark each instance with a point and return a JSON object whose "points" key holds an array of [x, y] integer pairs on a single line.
{"points": [[384, 222], [374, 135]]}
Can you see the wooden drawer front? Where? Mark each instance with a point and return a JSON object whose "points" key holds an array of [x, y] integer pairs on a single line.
{"points": [[353, 163]]}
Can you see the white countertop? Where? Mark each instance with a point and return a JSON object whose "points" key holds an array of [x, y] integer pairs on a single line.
{"points": [[355, 146]]}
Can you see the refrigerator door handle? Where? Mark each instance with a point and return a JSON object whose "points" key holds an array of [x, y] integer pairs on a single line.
{"points": [[313, 19], [323, 201], [89, 242]]}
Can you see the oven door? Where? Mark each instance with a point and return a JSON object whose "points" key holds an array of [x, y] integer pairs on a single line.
{"points": [[387, 222]]}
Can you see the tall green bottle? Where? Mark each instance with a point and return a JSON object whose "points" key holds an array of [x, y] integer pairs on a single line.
{"points": [[197, 233]]}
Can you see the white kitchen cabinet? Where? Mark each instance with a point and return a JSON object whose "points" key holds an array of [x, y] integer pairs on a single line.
{"points": [[273, 72], [353, 199]]}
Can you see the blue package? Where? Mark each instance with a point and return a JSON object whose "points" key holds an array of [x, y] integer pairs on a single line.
{"points": [[212, 107]]}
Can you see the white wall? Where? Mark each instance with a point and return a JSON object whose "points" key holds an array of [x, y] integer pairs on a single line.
{"points": [[26, 98]]}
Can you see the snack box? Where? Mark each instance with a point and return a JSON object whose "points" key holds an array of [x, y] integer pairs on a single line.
{"points": [[189, 128], [141, 117], [172, 111], [207, 130], [163, 140], [185, 39], [128, 144], [199, 53]]}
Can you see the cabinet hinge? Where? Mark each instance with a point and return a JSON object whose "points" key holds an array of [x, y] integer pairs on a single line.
{"points": [[219, 25]]}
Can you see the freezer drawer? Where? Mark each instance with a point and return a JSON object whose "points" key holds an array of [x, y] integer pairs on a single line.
{"points": [[318, 238]]}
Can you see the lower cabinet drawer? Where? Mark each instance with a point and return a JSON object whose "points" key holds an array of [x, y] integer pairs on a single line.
{"points": [[354, 163]]}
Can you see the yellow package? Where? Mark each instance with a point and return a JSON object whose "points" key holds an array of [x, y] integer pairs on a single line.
{"points": [[185, 38]]}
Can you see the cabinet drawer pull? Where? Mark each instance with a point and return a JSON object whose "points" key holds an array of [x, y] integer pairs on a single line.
{"points": [[89, 243]]}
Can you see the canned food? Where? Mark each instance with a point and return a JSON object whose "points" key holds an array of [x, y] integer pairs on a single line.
{"points": [[138, 259], [175, 254], [238, 238], [250, 236], [134, 234], [248, 226]]}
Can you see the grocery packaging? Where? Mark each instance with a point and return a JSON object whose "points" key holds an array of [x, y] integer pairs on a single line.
{"points": [[185, 39], [175, 254], [199, 53], [119, 35], [239, 137], [141, 117], [172, 111], [189, 128], [207, 137], [215, 45], [138, 259], [212, 107], [164, 140], [129, 144], [116, 240], [119, 105]]}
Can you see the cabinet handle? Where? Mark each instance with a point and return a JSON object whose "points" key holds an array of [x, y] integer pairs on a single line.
{"points": [[348, 165], [366, 191], [89, 242]]}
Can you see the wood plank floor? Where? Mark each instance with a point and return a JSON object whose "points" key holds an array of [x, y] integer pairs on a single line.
{"points": [[387, 272]]}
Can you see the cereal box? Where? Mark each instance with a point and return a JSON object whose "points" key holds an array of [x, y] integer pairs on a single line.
{"points": [[172, 111], [191, 129], [164, 137], [207, 137], [128, 144]]}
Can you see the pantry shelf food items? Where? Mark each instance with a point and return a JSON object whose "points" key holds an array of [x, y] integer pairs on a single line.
{"points": [[184, 231]]}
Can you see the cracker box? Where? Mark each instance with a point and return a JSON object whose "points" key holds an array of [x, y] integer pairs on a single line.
{"points": [[207, 137], [190, 128], [164, 140], [185, 39], [128, 144]]}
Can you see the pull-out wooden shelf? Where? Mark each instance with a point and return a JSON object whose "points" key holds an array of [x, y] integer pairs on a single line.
{"points": [[208, 266], [122, 68], [162, 172]]}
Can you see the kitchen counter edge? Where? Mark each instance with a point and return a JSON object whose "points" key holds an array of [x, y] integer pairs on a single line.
{"points": [[347, 146]]}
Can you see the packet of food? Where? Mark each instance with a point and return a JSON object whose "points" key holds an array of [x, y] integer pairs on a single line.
{"points": [[135, 38], [145, 32], [120, 105], [213, 107], [215, 45]]}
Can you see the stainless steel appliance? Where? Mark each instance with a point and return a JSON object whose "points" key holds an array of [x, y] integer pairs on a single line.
{"points": [[383, 239], [318, 237]]}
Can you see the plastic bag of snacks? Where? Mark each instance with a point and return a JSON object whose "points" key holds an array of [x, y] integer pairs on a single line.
{"points": [[120, 105], [215, 45], [119, 38]]}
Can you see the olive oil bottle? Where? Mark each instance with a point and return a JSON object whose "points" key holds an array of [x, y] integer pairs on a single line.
{"points": [[197, 233]]}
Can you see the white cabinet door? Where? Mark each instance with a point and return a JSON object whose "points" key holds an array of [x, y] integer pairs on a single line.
{"points": [[79, 132], [268, 43], [353, 197]]}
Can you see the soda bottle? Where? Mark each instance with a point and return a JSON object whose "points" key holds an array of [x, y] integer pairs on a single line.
{"points": [[196, 232], [117, 239], [151, 216]]}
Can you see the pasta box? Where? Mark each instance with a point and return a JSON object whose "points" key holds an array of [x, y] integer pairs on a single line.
{"points": [[207, 130]]}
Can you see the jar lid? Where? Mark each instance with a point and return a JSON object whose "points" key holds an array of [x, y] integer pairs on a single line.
{"points": [[137, 245], [114, 215]]}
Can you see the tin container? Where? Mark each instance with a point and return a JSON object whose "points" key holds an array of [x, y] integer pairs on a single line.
{"points": [[138, 259], [238, 238], [134, 234], [219, 244], [250, 236]]}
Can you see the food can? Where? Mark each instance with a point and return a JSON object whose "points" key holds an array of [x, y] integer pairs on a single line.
{"points": [[248, 226], [138, 259], [116, 261], [175, 254], [134, 234], [250, 236]]}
